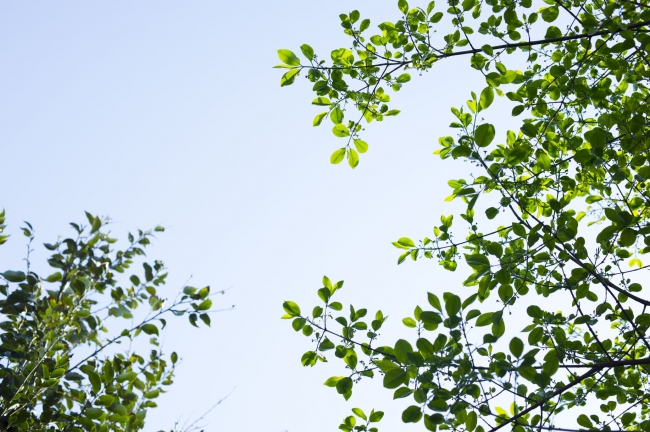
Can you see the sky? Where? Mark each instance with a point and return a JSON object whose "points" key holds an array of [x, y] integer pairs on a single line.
{"points": [[170, 113]]}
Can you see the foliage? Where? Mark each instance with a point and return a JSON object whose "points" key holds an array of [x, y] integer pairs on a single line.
{"points": [[567, 227], [61, 365]]}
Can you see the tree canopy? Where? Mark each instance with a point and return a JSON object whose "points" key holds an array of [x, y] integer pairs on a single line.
{"points": [[62, 367], [549, 331]]}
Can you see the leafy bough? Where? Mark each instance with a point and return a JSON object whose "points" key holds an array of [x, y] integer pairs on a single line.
{"points": [[568, 227], [61, 366]]}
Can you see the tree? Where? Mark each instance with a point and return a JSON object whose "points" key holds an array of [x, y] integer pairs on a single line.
{"points": [[62, 367], [568, 224]]}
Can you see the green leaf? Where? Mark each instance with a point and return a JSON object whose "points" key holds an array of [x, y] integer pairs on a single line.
{"points": [[289, 77], [56, 277], [402, 349], [309, 358], [484, 320], [344, 385], [469, 300], [535, 336], [498, 328], [584, 421], [336, 306], [487, 49], [516, 347], [326, 345], [529, 130], [117, 409], [471, 421], [527, 372], [487, 97], [478, 262], [104, 400], [94, 413], [14, 276], [491, 213], [405, 243], [412, 414], [359, 413], [205, 305], [361, 146], [628, 237], [394, 378], [364, 25], [152, 394], [402, 392], [341, 130], [376, 416], [338, 156], [543, 160], [150, 329], [409, 322], [436, 17], [519, 229], [430, 318], [298, 323], [534, 311], [126, 376], [403, 78], [386, 365], [291, 308], [332, 381], [336, 116], [321, 101], [452, 304], [484, 135], [288, 57], [307, 51], [518, 110], [434, 301], [353, 158], [550, 14], [319, 118]]}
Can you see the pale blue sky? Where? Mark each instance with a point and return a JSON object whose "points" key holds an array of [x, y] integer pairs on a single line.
{"points": [[160, 112]]}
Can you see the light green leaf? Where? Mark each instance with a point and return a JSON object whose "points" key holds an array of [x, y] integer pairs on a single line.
{"points": [[321, 101], [288, 57], [403, 78], [337, 116], [353, 158], [487, 96], [359, 413], [319, 118], [289, 77], [338, 156], [341, 130], [307, 51], [332, 381], [291, 308], [361, 146]]}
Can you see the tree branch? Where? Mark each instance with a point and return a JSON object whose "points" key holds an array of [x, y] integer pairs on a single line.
{"points": [[573, 383]]}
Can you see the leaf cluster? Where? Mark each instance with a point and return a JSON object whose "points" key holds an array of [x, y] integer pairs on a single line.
{"points": [[61, 367], [556, 214]]}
